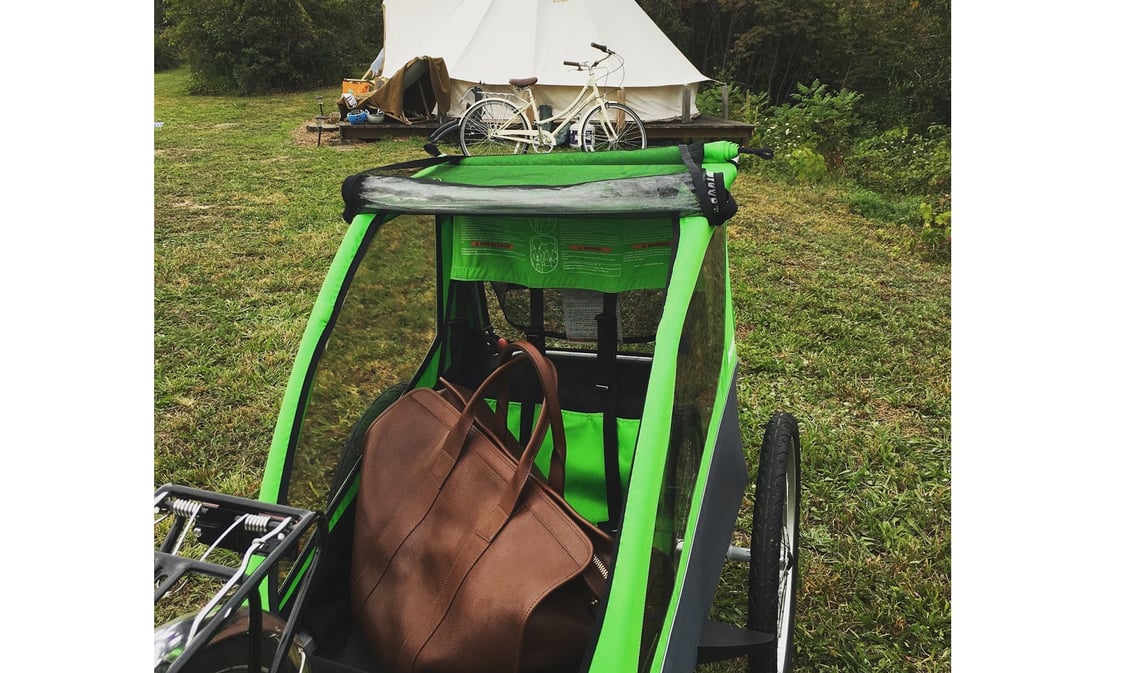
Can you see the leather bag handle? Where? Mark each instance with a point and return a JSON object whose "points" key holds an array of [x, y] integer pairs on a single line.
{"points": [[457, 435], [497, 422], [502, 401]]}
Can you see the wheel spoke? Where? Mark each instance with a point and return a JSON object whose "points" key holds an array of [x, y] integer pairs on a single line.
{"points": [[487, 127], [614, 127]]}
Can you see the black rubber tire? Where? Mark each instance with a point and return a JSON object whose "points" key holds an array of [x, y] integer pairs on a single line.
{"points": [[773, 574], [618, 128], [231, 656], [482, 118], [446, 132], [352, 448]]}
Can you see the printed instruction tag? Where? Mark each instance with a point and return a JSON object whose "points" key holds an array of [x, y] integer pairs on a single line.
{"points": [[581, 309]]}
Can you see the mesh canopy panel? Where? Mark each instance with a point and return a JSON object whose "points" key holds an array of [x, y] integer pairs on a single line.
{"points": [[570, 314]]}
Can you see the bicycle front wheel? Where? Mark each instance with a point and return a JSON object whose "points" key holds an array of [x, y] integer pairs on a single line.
{"points": [[493, 126], [612, 127]]}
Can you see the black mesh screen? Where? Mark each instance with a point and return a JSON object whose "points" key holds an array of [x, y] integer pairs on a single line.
{"points": [[639, 312]]}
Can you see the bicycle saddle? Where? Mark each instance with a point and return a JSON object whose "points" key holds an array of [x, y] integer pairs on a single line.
{"points": [[524, 81]]}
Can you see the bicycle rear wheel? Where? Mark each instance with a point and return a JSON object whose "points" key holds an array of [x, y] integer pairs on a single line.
{"points": [[613, 127], [486, 127]]}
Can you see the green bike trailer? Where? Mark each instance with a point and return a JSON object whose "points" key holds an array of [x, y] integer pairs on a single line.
{"points": [[614, 265]]}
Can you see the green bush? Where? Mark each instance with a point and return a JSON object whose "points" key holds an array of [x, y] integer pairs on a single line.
{"points": [[743, 105], [896, 176], [928, 221], [817, 119], [934, 237], [251, 46], [709, 100], [756, 107], [901, 162], [805, 165]]}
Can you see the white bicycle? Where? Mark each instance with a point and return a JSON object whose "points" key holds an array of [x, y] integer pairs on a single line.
{"points": [[499, 123]]}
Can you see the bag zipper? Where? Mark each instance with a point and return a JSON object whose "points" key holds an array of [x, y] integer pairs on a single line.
{"points": [[600, 566]]}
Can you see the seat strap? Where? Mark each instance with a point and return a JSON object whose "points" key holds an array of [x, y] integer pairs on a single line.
{"points": [[607, 337], [536, 336]]}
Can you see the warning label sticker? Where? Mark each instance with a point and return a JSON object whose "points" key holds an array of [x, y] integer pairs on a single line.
{"points": [[586, 253]]}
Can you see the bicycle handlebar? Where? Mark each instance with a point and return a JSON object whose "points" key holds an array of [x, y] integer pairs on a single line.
{"points": [[603, 48]]}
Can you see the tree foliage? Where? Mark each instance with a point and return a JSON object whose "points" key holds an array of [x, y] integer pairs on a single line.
{"points": [[165, 55], [895, 52], [250, 46]]}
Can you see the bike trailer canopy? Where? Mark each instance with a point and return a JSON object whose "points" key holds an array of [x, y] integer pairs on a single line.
{"points": [[430, 264]]}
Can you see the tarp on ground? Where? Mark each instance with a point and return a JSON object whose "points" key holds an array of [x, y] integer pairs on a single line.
{"points": [[418, 89]]}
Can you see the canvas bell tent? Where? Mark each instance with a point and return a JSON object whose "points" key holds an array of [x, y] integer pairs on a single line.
{"points": [[489, 42]]}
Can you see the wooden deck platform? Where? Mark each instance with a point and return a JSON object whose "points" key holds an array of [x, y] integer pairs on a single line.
{"points": [[660, 132]]}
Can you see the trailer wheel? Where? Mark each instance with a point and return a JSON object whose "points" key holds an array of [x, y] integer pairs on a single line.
{"points": [[352, 448], [230, 656], [228, 650], [774, 570]]}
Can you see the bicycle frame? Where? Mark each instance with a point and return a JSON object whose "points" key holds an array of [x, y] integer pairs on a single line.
{"points": [[583, 103]]}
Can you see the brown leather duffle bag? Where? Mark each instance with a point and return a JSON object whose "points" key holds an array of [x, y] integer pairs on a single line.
{"points": [[465, 558]]}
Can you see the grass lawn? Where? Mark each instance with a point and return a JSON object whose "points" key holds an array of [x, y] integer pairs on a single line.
{"points": [[838, 323]]}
